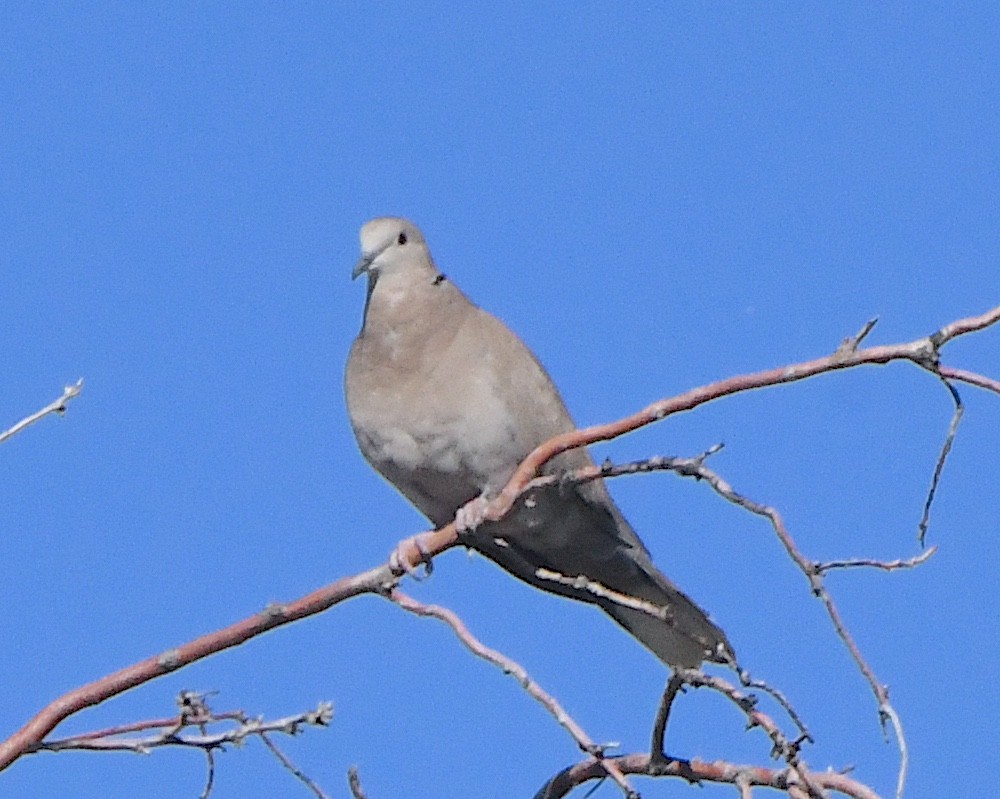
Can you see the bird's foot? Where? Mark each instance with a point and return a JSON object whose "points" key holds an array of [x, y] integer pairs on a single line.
{"points": [[471, 514], [399, 561]]}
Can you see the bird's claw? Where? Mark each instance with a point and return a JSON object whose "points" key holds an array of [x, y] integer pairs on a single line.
{"points": [[471, 514], [400, 564]]}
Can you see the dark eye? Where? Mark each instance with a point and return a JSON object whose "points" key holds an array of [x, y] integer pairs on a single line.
{"points": [[401, 239]]}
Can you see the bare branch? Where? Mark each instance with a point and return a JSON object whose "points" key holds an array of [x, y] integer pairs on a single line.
{"points": [[694, 467], [31, 734], [885, 565], [295, 770], [851, 344], [749, 682], [904, 749], [939, 465], [968, 325], [112, 741], [582, 582], [972, 378], [56, 406], [698, 771], [814, 576], [209, 774], [922, 352], [354, 781], [789, 751]]}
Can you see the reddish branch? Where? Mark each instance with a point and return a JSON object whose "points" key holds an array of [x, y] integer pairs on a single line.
{"points": [[171, 732], [787, 750], [924, 352], [35, 731], [696, 771], [972, 378]]}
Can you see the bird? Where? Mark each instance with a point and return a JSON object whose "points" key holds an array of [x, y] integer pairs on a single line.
{"points": [[445, 401]]}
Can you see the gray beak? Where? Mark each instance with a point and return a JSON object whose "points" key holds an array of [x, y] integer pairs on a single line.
{"points": [[362, 266]]}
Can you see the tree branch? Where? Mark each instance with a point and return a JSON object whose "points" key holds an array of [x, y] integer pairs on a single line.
{"points": [[697, 771], [56, 406], [117, 739], [37, 729], [924, 352]]}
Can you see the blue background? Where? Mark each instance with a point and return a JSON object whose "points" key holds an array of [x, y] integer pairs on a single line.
{"points": [[654, 199]]}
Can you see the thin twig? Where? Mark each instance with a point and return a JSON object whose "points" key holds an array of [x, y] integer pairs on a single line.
{"points": [[749, 682], [209, 775], [56, 406], [193, 706], [354, 781], [172, 736], [904, 749], [176, 722], [583, 583], [850, 345], [295, 770], [789, 751], [885, 565], [939, 465], [808, 568]]}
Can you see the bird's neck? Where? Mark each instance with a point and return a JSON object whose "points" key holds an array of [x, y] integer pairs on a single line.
{"points": [[405, 308]]}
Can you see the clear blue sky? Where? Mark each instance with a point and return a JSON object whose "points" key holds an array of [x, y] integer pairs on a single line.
{"points": [[654, 199]]}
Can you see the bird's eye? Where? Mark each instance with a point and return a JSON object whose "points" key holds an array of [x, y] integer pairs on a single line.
{"points": [[401, 239]]}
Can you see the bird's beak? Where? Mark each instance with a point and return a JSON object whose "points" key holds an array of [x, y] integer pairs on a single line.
{"points": [[362, 266]]}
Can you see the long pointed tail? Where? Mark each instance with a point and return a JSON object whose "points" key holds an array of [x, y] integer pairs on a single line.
{"points": [[684, 640]]}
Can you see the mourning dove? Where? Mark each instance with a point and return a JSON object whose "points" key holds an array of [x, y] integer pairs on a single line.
{"points": [[446, 401]]}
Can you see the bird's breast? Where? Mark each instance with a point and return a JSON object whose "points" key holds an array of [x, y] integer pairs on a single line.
{"points": [[460, 427]]}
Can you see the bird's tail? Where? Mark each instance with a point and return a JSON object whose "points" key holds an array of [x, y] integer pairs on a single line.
{"points": [[683, 637]]}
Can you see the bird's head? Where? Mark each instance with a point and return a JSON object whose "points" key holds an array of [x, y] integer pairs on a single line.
{"points": [[390, 244]]}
